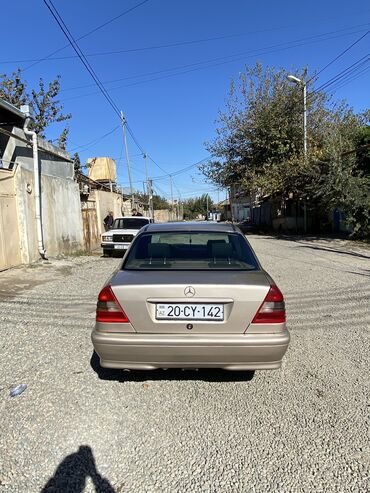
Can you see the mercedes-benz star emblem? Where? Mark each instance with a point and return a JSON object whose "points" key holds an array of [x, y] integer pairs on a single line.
{"points": [[189, 291]]}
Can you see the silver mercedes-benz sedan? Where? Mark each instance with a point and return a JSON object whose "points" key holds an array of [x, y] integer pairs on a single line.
{"points": [[190, 295]]}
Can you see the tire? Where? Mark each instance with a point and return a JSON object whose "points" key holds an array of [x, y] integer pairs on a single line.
{"points": [[107, 253]]}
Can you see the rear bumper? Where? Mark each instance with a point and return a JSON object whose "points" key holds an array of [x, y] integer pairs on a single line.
{"points": [[230, 352]]}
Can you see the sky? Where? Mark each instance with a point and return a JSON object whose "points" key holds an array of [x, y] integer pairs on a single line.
{"points": [[173, 69]]}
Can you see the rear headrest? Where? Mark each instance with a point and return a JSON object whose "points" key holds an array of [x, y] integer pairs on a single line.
{"points": [[159, 250], [222, 250], [212, 242]]}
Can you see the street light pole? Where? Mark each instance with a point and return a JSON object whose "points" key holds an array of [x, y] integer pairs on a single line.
{"points": [[302, 83], [304, 120]]}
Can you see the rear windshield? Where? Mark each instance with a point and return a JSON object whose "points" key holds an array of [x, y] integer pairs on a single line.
{"points": [[190, 251], [129, 223]]}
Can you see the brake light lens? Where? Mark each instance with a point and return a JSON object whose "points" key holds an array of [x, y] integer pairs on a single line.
{"points": [[272, 310], [108, 308]]}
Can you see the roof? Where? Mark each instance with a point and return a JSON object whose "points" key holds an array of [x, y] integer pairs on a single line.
{"points": [[191, 226], [10, 114], [223, 202], [132, 217]]}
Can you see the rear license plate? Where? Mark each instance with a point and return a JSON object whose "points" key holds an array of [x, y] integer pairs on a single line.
{"points": [[120, 247], [181, 311]]}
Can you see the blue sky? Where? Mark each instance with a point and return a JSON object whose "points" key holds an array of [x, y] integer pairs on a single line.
{"points": [[171, 95]]}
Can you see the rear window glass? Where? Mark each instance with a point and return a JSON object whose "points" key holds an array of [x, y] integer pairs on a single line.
{"points": [[190, 251], [129, 223]]}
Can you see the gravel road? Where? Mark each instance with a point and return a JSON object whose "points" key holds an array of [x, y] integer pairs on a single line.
{"points": [[303, 428]]}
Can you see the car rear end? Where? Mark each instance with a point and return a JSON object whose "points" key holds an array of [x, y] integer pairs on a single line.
{"points": [[219, 312]]}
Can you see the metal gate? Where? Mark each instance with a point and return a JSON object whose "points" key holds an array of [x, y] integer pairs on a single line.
{"points": [[9, 234], [90, 225]]}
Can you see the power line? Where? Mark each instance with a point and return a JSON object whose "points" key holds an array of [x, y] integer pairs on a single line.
{"points": [[89, 68], [345, 72], [209, 63], [145, 48], [154, 47], [340, 55], [84, 35], [183, 170], [80, 54], [158, 189], [159, 167], [95, 141], [343, 83], [134, 138]]}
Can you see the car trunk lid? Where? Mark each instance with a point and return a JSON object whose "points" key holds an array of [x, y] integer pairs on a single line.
{"points": [[238, 293]]}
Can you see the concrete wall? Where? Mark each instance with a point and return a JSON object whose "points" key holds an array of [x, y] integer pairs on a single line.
{"points": [[9, 235], [108, 201], [61, 215], [162, 216], [60, 198], [56, 164]]}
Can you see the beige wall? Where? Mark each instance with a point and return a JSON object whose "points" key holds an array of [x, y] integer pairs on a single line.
{"points": [[161, 216], [61, 216], [105, 202], [110, 201], [9, 236]]}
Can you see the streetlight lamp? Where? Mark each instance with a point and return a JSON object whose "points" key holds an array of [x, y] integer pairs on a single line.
{"points": [[302, 83]]}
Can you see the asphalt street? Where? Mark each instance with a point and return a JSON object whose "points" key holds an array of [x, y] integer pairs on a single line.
{"points": [[77, 428]]}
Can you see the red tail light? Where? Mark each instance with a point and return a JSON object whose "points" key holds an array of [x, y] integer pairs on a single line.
{"points": [[272, 310], [108, 309]]}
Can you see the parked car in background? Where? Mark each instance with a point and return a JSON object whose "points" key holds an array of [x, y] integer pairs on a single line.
{"points": [[247, 226], [190, 295], [121, 234]]}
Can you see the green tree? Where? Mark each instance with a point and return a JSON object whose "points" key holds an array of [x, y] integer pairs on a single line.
{"points": [[342, 180], [44, 100], [158, 201], [362, 141], [197, 206], [77, 163], [259, 139]]}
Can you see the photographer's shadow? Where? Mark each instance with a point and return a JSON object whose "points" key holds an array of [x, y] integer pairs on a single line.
{"points": [[70, 476]]}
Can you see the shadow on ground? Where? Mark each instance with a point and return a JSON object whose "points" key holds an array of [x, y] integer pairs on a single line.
{"points": [[203, 374], [72, 472], [324, 248]]}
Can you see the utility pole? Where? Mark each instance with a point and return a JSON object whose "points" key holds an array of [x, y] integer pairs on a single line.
{"points": [[123, 123], [171, 197], [207, 208], [145, 156], [150, 195]]}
